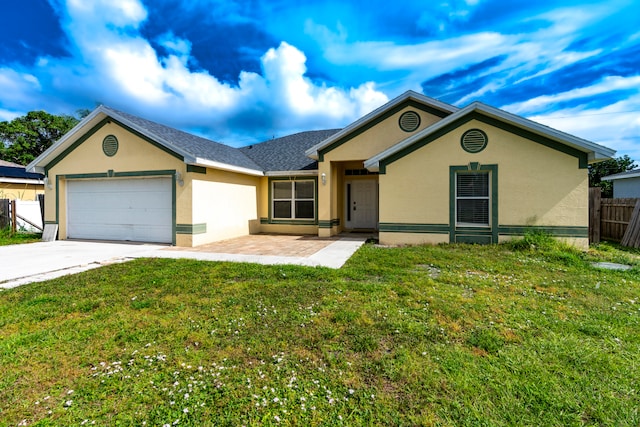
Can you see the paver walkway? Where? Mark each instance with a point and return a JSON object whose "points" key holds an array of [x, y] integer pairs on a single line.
{"points": [[266, 244]]}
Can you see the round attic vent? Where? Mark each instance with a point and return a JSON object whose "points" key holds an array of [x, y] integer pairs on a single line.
{"points": [[110, 145], [409, 121], [474, 141]]}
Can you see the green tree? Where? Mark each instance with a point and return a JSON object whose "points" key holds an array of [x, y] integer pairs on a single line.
{"points": [[608, 167], [25, 138]]}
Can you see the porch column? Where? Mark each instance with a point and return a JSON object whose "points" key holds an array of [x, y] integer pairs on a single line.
{"points": [[327, 206]]}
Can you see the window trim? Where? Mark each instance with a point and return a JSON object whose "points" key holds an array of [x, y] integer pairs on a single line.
{"points": [[488, 198], [292, 219], [474, 234]]}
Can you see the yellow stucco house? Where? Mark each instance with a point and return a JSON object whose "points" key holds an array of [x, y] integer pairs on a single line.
{"points": [[17, 183], [416, 170]]}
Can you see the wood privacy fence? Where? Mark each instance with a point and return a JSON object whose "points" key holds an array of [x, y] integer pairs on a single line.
{"points": [[609, 218]]}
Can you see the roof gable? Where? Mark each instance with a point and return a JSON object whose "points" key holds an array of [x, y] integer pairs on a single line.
{"points": [[409, 98], [190, 148], [585, 151]]}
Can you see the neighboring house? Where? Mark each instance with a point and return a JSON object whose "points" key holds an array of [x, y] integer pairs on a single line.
{"points": [[17, 183], [625, 184], [416, 170]]}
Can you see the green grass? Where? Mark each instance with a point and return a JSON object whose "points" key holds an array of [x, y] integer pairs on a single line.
{"points": [[7, 237], [519, 334]]}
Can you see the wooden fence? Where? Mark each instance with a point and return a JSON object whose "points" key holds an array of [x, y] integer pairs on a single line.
{"points": [[608, 218]]}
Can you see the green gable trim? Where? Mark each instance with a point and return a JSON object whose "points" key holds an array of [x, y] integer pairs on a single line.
{"points": [[110, 174], [96, 128], [197, 169], [191, 228], [408, 103], [75, 145], [393, 227], [553, 230], [149, 140], [470, 232], [582, 157]]}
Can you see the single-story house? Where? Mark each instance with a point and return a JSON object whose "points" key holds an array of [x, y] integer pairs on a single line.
{"points": [[625, 184], [416, 170], [17, 183]]}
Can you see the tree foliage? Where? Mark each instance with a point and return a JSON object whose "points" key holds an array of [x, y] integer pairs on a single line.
{"points": [[25, 138], [609, 167]]}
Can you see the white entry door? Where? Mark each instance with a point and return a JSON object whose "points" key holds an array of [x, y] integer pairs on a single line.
{"points": [[362, 204], [138, 210]]}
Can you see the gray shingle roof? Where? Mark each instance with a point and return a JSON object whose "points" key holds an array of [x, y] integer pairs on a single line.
{"points": [[192, 144], [287, 153]]}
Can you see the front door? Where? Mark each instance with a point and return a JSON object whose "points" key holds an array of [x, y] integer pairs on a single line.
{"points": [[361, 204]]}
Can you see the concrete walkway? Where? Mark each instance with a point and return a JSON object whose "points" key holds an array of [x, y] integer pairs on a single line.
{"points": [[35, 262]]}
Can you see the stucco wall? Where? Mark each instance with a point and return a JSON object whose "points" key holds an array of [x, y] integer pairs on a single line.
{"points": [[226, 202], [537, 185]]}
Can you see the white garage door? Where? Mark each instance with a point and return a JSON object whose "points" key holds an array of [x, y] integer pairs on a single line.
{"points": [[138, 210]]}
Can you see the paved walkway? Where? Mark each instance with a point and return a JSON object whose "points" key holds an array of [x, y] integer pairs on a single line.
{"points": [[34, 262]]}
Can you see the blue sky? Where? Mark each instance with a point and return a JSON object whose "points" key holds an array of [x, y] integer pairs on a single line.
{"points": [[244, 71]]}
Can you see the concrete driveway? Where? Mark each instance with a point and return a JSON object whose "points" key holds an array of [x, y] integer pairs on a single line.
{"points": [[35, 262]]}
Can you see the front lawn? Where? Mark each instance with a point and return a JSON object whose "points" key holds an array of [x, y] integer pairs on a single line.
{"points": [[7, 237], [447, 335]]}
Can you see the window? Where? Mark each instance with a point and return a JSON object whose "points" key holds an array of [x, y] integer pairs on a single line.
{"points": [[472, 199], [293, 199]]}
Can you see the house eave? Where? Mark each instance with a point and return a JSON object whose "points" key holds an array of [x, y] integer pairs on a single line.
{"points": [[222, 166], [21, 181], [292, 173]]}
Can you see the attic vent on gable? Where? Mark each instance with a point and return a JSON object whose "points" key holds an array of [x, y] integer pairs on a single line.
{"points": [[409, 121], [110, 145], [474, 141]]}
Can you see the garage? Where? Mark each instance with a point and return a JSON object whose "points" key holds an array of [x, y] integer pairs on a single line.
{"points": [[137, 210]]}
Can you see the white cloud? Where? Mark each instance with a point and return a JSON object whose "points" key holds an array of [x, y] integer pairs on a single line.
{"points": [[113, 64], [616, 125]]}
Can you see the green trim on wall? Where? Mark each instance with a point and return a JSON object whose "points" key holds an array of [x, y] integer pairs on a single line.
{"points": [[96, 128], [51, 222], [102, 175], [408, 103], [264, 220], [330, 223], [582, 157], [553, 230], [394, 227], [197, 169], [200, 228], [271, 220], [467, 232]]}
